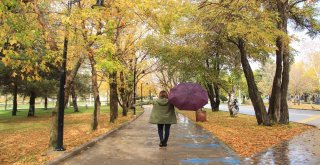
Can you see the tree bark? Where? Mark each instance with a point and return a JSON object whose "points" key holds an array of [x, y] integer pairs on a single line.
{"points": [[113, 97], [97, 103], [74, 99], [46, 103], [284, 112], [231, 96], [6, 102], [274, 103], [49, 35], [32, 104], [211, 95], [123, 95], [216, 87], [283, 9], [255, 96], [70, 78], [243, 99], [217, 92], [213, 89], [15, 101], [54, 126]]}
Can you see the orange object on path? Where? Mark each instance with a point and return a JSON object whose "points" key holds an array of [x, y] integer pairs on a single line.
{"points": [[201, 115]]}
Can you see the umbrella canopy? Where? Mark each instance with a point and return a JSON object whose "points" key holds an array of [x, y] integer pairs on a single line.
{"points": [[188, 96]]}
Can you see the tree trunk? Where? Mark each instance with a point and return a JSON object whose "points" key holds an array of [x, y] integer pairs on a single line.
{"points": [[74, 99], [284, 112], [113, 97], [217, 92], [46, 103], [211, 96], [274, 103], [231, 96], [255, 96], [214, 97], [216, 87], [243, 99], [97, 103], [32, 104], [53, 47], [283, 22], [305, 97], [6, 102], [213, 89], [15, 101], [123, 95], [70, 79], [54, 126], [125, 109]]}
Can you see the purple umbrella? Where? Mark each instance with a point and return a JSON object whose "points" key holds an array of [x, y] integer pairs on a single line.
{"points": [[188, 96]]}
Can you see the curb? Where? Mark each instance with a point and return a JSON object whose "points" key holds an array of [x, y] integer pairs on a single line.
{"points": [[291, 108], [304, 109], [87, 145]]}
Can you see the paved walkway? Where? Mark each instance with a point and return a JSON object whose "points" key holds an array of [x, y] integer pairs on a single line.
{"points": [[137, 144], [301, 150]]}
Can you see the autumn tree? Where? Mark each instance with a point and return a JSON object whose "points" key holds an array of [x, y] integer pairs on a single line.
{"points": [[314, 61], [266, 72], [241, 24], [10, 85], [23, 47], [303, 14], [300, 80]]}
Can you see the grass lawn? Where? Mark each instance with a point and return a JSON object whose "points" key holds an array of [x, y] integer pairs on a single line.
{"points": [[243, 134], [24, 140], [38, 104]]}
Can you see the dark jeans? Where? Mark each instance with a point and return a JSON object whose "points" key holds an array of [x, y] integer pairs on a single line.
{"points": [[164, 139]]}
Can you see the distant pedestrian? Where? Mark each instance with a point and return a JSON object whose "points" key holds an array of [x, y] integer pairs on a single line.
{"points": [[163, 114]]}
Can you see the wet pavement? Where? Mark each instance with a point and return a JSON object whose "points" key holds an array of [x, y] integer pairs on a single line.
{"points": [[137, 143], [301, 150]]}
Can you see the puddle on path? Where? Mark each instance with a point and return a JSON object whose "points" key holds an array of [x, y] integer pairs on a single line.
{"points": [[201, 145], [226, 160], [301, 150]]}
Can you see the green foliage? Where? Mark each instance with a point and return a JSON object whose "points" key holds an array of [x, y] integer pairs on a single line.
{"points": [[223, 98], [306, 16], [21, 41]]}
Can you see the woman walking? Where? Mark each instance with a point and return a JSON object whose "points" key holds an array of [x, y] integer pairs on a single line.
{"points": [[163, 114]]}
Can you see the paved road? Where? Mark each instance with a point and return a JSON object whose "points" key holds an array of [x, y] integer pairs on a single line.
{"points": [[300, 116], [137, 144]]}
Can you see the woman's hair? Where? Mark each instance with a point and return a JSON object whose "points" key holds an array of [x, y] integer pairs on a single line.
{"points": [[163, 94]]}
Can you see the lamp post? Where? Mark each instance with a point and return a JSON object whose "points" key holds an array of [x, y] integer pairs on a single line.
{"points": [[141, 92], [141, 89], [63, 75], [150, 94], [134, 86]]}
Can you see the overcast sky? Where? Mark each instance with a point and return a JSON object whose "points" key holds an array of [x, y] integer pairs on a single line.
{"points": [[304, 45]]}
